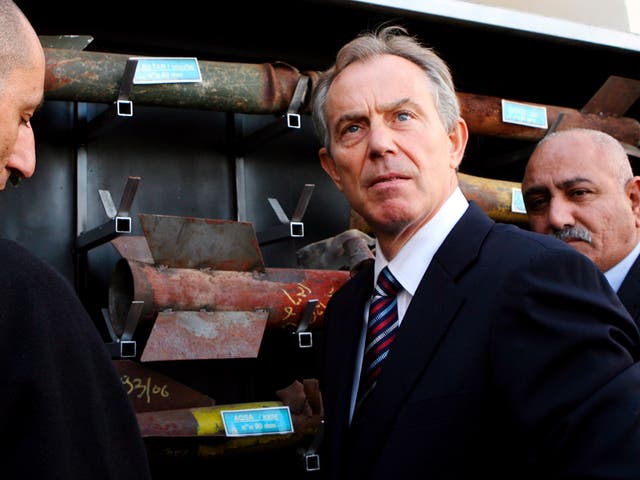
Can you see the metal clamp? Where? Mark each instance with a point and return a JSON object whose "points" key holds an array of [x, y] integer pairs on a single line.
{"points": [[124, 106], [119, 220], [123, 346], [304, 337], [293, 227], [310, 457], [287, 122]]}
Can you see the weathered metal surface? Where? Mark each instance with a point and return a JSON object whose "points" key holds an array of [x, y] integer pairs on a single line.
{"points": [[284, 293], [192, 422], [69, 42], [159, 429], [347, 250], [303, 399], [268, 88], [187, 242], [615, 97], [149, 390], [484, 117], [134, 247], [494, 197], [187, 335], [226, 87]]}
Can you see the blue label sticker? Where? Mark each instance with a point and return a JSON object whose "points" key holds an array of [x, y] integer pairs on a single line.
{"points": [[517, 201], [523, 114], [167, 70], [257, 421]]}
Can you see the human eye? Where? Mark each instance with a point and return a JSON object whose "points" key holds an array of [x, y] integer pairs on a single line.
{"points": [[578, 192], [349, 132], [536, 204], [352, 128], [403, 116]]}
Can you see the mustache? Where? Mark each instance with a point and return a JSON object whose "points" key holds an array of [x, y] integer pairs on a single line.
{"points": [[572, 233]]}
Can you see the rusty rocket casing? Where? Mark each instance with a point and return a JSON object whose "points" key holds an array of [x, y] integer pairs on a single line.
{"points": [[283, 293], [84, 76], [205, 291]]}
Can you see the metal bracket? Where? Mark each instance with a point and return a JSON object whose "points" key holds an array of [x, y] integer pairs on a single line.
{"points": [[304, 337], [285, 123], [119, 222], [310, 457], [124, 346], [288, 228], [124, 106]]}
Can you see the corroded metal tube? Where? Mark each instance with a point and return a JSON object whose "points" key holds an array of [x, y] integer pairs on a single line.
{"points": [[269, 87], [226, 87], [284, 293]]}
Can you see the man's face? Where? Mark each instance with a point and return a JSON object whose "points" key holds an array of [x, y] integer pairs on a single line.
{"points": [[392, 156], [571, 183], [20, 95]]}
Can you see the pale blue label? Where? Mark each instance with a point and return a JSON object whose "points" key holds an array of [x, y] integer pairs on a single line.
{"points": [[524, 114], [167, 70], [257, 421], [517, 201]]}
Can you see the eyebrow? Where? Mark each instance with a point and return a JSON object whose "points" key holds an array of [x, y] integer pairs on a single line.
{"points": [[535, 190], [562, 185], [572, 181], [390, 106]]}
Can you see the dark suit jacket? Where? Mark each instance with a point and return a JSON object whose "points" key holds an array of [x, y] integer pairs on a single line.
{"points": [[629, 291], [514, 360]]}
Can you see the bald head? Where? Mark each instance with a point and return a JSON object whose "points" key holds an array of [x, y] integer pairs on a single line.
{"points": [[22, 71], [17, 39], [579, 186]]}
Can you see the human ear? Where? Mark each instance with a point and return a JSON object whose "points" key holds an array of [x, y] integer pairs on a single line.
{"points": [[329, 166], [632, 190], [458, 137]]}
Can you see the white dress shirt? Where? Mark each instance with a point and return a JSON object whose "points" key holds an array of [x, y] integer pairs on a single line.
{"points": [[410, 265], [616, 274]]}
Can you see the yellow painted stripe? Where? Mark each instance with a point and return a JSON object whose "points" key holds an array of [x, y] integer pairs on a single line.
{"points": [[209, 419]]}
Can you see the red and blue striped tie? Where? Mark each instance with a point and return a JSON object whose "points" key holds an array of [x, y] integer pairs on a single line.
{"points": [[381, 330]]}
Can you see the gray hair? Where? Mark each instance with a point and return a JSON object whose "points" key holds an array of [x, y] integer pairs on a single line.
{"points": [[389, 40]]}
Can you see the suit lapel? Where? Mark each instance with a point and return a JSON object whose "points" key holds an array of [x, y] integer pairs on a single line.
{"points": [[431, 312], [343, 357], [629, 291]]}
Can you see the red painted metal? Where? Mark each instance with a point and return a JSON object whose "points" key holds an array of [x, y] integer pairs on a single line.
{"points": [[283, 293]]}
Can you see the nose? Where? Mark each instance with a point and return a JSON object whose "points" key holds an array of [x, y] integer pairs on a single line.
{"points": [[23, 157], [381, 139], [560, 214]]}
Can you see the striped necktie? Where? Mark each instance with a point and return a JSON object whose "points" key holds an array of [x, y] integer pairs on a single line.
{"points": [[381, 330]]}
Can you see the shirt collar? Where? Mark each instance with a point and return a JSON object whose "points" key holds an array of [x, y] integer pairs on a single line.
{"points": [[616, 274], [412, 261]]}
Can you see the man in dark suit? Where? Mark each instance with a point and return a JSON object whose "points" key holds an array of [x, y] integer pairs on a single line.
{"points": [[579, 186], [505, 353]]}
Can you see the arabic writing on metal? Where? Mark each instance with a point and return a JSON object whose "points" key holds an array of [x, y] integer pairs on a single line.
{"points": [[299, 297]]}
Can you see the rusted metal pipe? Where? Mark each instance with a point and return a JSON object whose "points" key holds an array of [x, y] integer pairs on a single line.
{"points": [[494, 197], [484, 117], [83, 76], [283, 293]]}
